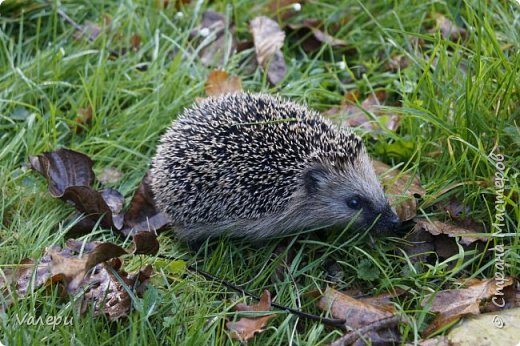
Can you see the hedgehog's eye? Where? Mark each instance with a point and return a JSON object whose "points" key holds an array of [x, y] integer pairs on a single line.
{"points": [[354, 203]]}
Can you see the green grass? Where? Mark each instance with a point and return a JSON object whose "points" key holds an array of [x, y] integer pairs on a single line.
{"points": [[451, 116]]}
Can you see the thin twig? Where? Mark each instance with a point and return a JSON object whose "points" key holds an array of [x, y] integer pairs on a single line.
{"points": [[71, 22], [338, 323]]}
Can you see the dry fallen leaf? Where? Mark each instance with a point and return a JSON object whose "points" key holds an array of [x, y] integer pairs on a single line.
{"points": [[219, 82], [84, 118], [401, 190], [312, 43], [455, 209], [216, 39], [397, 62], [135, 42], [108, 295], [89, 29], [448, 29], [75, 267], [383, 300], [69, 175], [498, 328], [142, 214], [422, 246], [468, 236], [245, 328], [419, 246], [114, 200], [358, 314], [460, 215], [269, 40], [22, 279], [436, 341], [63, 168], [357, 116], [110, 175], [92, 203], [350, 97], [145, 243], [452, 304]]}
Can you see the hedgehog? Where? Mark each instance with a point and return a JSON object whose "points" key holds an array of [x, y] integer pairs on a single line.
{"points": [[257, 166]]}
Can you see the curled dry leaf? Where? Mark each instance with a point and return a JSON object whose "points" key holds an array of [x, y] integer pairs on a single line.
{"points": [[69, 176], [91, 203], [314, 37], [454, 303], [219, 82], [142, 214], [269, 39], [63, 168], [468, 236], [30, 275], [401, 190], [246, 328], [508, 298]]}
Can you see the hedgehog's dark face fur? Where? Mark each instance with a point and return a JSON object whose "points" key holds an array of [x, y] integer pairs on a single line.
{"points": [[346, 192]]}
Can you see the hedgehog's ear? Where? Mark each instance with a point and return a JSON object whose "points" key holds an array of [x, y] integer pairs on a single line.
{"points": [[314, 177]]}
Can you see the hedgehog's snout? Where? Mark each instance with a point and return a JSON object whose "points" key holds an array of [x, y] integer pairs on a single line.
{"points": [[388, 222], [394, 222]]}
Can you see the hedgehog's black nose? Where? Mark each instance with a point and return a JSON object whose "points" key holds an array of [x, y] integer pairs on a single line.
{"points": [[389, 223], [394, 222]]}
